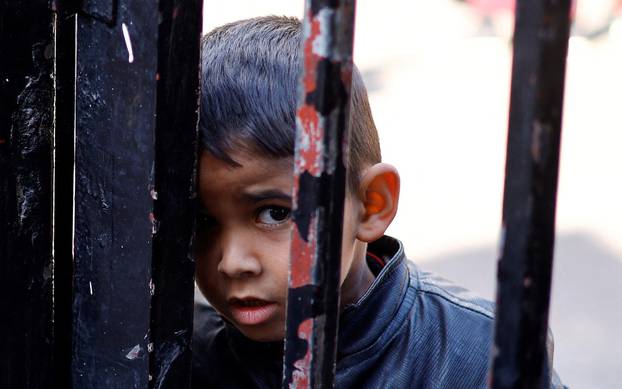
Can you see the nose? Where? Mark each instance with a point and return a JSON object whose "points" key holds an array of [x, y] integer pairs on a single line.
{"points": [[239, 259]]}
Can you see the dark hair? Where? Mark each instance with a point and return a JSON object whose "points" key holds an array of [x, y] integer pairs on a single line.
{"points": [[249, 81]]}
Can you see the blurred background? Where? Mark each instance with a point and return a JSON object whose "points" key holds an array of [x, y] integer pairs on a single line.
{"points": [[438, 76]]}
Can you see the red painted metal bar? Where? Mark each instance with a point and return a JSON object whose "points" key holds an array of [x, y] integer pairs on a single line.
{"points": [[319, 189], [525, 266]]}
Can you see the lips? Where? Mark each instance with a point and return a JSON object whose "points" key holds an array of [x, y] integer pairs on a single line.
{"points": [[251, 310]]}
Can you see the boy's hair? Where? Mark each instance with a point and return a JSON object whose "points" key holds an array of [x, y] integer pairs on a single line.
{"points": [[249, 80]]}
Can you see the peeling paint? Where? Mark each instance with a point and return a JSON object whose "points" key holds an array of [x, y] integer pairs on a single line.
{"points": [[135, 353], [155, 224], [319, 43], [319, 186], [306, 248], [128, 43], [302, 374]]}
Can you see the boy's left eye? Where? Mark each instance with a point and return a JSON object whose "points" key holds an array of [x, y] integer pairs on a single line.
{"points": [[273, 215]]}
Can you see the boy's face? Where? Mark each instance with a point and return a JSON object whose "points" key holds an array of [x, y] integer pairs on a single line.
{"points": [[244, 241]]}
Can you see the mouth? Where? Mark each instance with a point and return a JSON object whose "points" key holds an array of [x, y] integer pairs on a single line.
{"points": [[251, 310]]}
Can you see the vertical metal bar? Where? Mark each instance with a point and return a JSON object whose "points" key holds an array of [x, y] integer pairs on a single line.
{"points": [[174, 193], [63, 196], [110, 82], [26, 101], [319, 189], [525, 266]]}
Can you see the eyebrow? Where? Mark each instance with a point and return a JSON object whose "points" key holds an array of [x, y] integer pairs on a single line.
{"points": [[269, 194]]}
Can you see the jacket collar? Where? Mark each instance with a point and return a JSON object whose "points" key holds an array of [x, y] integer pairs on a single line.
{"points": [[361, 325]]}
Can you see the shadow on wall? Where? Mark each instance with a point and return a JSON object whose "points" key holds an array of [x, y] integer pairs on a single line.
{"points": [[586, 309]]}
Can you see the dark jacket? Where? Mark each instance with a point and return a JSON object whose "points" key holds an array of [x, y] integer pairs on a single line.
{"points": [[409, 330]]}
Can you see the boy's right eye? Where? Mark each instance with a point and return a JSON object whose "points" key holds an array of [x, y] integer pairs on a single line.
{"points": [[273, 215]]}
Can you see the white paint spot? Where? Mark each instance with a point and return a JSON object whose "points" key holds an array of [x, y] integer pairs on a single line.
{"points": [[134, 353], [151, 287], [91, 287], [128, 42], [321, 45]]}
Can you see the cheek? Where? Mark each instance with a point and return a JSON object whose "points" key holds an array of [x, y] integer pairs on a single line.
{"points": [[207, 277]]}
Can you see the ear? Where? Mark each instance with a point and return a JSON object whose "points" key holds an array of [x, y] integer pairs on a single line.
{"points": [[379, 192]]}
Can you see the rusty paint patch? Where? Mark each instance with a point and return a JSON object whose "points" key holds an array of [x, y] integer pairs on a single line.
{"points": [[311, 58], [301, 375], [319, 186], [309, 142], [305, 254]]}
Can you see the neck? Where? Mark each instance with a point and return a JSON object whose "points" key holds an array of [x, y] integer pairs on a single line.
{"points": [[359, 278]]}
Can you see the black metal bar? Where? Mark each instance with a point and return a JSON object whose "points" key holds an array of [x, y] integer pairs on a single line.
{"points": [[101, 10], [525, 266], [26, 100], [319, 190], [109, 81], [64, 135], [175, 192]]}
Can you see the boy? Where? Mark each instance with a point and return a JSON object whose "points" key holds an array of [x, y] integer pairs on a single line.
{"points": [[399, 327]]}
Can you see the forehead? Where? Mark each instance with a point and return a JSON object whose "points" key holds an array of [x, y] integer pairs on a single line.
{"points": [[253, 173]]}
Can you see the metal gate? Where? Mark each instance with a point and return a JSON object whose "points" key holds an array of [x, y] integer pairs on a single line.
{"points": [[98, 147]]}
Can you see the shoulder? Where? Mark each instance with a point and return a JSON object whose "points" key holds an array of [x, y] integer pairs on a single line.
{"points": [[461, 324], [445, 306], [452, 329], [454, 296]]}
